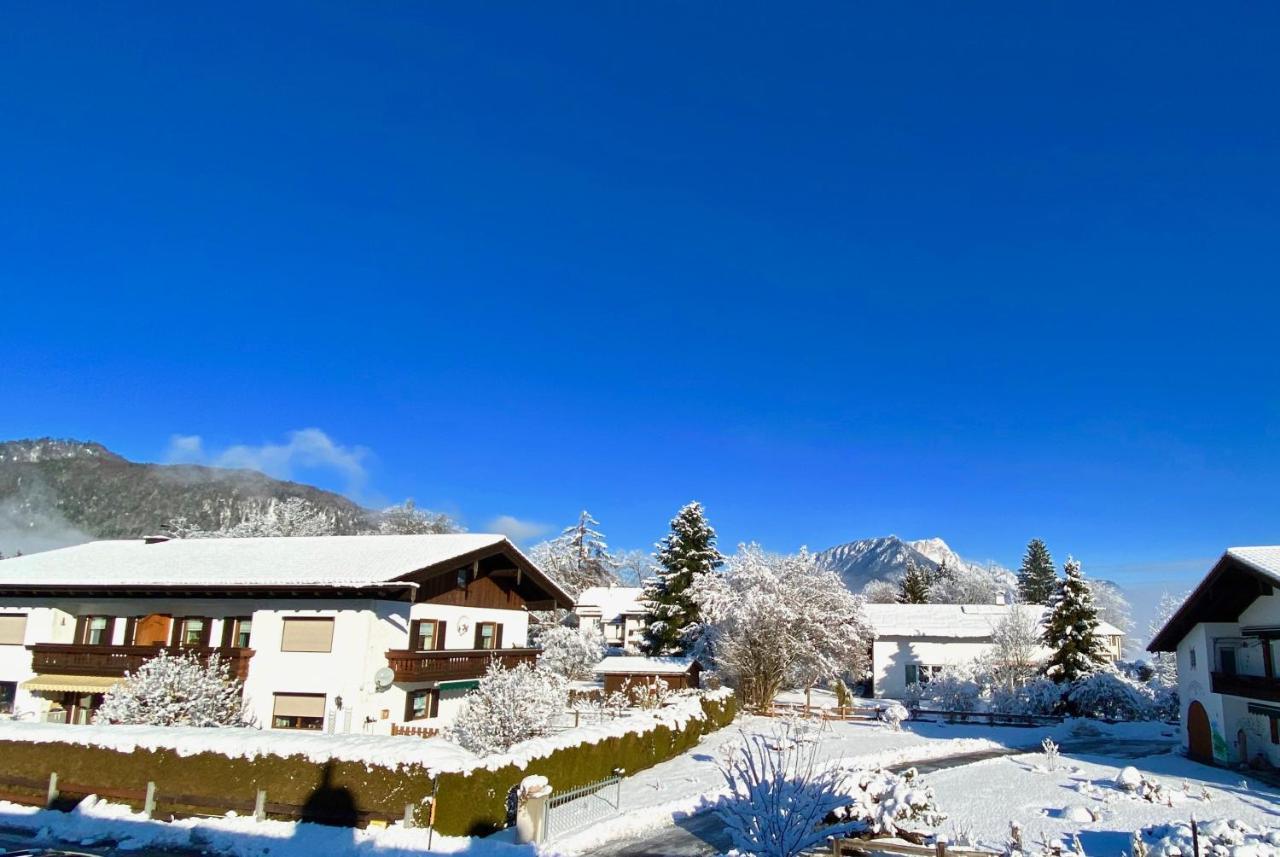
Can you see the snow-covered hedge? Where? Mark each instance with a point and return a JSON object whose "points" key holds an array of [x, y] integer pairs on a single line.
{"points": [[1221, 838], [382, 774]]}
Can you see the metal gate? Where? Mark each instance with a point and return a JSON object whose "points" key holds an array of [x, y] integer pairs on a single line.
{"points": [[576, 808]]}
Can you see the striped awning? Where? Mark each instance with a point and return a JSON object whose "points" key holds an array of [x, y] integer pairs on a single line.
{"points": [[74, 683]]}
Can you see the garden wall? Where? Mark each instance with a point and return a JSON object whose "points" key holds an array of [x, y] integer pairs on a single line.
{"points": [[471, 801]]}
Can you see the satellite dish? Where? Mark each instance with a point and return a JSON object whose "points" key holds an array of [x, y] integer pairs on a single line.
{"points": [[383, 678]]}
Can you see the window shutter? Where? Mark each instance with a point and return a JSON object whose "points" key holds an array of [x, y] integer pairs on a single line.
{"points": [[228, 631], [497, 636], [408, 706], [415, 634], [109, 633], [83, 621], [307, 635], [13, 629], [479, 625], [206, 631], [175, 631], [435, 704], [130, 630], [912, 674]]}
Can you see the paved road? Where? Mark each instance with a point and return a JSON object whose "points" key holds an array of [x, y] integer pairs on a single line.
{"points": [[704, 834], [13, 843]]}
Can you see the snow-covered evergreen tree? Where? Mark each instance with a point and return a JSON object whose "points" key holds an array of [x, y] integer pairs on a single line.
{"points": [[774, 621], [1037, 577], [407, 519], [176, 690], [578, 558], [509, 706], [1071, 629], [571, 652], [687, 552], [1164, 665], [914, 586]]}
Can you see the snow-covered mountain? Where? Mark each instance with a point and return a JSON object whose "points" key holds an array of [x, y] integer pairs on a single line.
{"points": [[886, 558]]}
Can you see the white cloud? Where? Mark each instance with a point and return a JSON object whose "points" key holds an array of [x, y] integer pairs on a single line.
{"points": [[308, 449], [516, 529]]}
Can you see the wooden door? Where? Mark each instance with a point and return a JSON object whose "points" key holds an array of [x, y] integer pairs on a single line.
{"points": [[153, 630], [1199, 737]]}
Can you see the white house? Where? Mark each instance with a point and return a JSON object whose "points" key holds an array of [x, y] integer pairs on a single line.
{"points": [[344, 633], [915, 642], [1225, 635], [617, 611]]}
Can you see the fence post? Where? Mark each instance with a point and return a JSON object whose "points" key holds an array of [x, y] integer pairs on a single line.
{"points": [[1195, 837], [836, 850], [149, 803], [940, 848], [53, 790], [260, 805]]}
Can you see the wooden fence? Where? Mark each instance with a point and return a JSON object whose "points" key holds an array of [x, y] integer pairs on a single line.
{"points": [[414, 731], [56, 794], [844, 847]]}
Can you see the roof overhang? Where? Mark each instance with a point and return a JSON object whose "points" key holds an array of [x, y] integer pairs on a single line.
{"points": [[396, 590], [1229, 587], [559, 596]]}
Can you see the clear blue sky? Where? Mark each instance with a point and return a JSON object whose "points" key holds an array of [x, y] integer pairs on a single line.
{"points": [[985, 272]]}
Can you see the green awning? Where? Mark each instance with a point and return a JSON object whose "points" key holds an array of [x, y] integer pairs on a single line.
{"points": [[462, 684]]}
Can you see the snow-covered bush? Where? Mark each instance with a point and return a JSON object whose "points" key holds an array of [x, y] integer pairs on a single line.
{"points": [[509, 706], [1038, 696], [1052, 756], [176, 690], [1219, 838], [648, 695], [915, 694], [955, 689], [1149, 789], [571, 652], [893, 715], [885, 803], [1108, 695], [780, 794], [1165, 704]]}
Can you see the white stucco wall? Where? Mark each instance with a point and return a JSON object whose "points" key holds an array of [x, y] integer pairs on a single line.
{"points": [[891, 655]]}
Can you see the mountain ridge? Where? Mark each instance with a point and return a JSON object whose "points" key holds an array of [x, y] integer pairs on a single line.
{"points": [[886, 557]]}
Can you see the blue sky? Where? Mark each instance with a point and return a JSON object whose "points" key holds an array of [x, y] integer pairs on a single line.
{"points": [[838, 270]]}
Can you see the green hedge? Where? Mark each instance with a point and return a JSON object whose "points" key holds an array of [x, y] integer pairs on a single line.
{"points": [[471, 803]]}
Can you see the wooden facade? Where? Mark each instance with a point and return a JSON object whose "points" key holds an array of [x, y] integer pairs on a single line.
{"points": [[614, 681]]}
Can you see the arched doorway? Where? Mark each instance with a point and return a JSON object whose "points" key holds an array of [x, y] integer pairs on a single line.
{"points": [[1199, 738]]}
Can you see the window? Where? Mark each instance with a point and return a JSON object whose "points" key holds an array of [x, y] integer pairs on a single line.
{"points": [[307, 635], [236, 631], [9, 690], [922, 673], [488, 635], [298, 711], [426, 635], [13, 629], [1193, 658], [422, 704], [193, 631], [94, 630]]}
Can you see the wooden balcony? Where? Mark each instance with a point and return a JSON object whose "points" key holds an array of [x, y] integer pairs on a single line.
{"points": [[1248, 686], [69, 659], [454, 664]]}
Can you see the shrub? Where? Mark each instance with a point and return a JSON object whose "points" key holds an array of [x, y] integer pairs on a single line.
{"points": [[176, 690], [509, 706], [1108, 695], [571, 652], [1038, 696]]}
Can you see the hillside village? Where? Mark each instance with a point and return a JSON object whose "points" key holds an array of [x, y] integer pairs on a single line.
{"points": [[447, 651]]}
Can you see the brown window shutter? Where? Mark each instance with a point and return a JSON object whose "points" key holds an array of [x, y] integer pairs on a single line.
{"points": [[175, 632], [228, 630], [415, 634], [440, 634], [130, 628], [207, 632], [476, 645], [408, 706], [109, 633], [497, 637], [435, 704], [81, 623]]}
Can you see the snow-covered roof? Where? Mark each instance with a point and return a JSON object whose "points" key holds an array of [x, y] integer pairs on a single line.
{"points": [[1264, 558], [637, 665], [346, 561], [954, 621], [612, 602]]}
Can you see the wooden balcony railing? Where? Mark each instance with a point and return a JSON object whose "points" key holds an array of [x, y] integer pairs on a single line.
{"points": [[1249, 686], [69, 659], [453, 664]]}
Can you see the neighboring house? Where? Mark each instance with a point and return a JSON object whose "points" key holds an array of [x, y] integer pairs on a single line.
{"points": [[915, 642], [678, 673], [341, 633], [1225, 635], [616, 611]]}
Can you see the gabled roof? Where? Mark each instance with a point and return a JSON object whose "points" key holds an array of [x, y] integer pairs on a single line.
{"points": [[1237, 579], [952, 621], [612, 602], [637, 665], [308, 562]]}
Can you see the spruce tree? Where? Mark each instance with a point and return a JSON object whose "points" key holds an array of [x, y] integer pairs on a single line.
{"points": [[914, 586], [1037, 579], [1071, 629], [689, 550]]}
